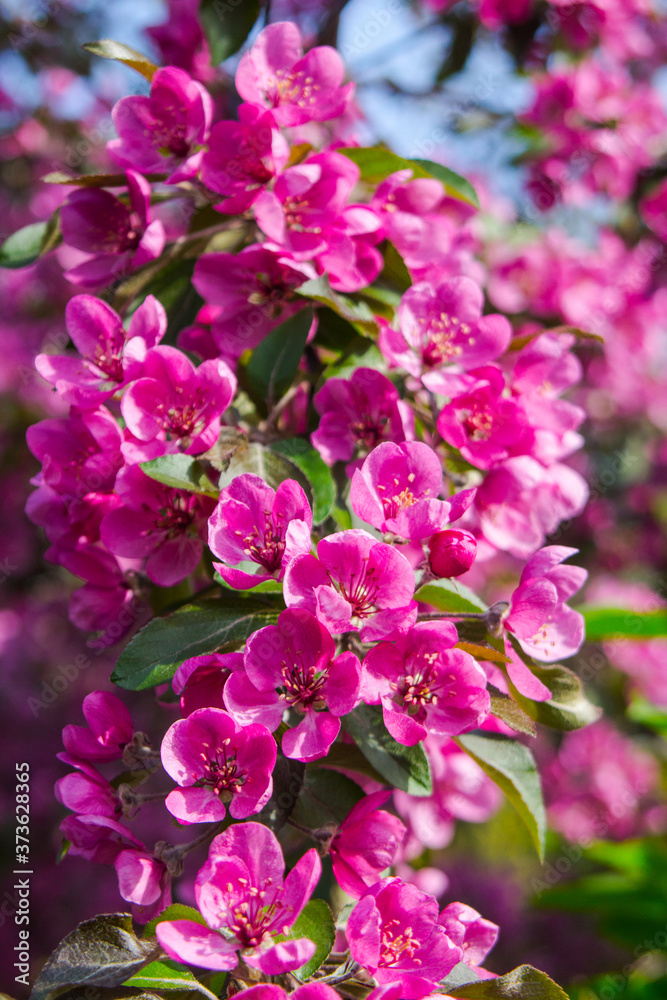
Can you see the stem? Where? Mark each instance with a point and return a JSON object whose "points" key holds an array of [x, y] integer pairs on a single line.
{"points": [[349, 971], [173, 854]]}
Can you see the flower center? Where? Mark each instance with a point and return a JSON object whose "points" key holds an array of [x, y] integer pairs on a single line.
{"points": [[221, 771], [362, 594], [396, 947], [293, 88], [302, 685], [269, 549], [440, 338], [401, 499], [478, 424]]}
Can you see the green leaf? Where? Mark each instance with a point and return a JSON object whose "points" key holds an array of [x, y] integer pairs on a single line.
{"points": [[154, 654], [376, 163], [325, 798], [649, 715], [512, 766], [517, 343], [177, 911], [607, 624], [275, 360], [24, 246], [103, 951], [227, 24], [455, 185], [181, 472], [403, 767], [107, 48], [447, 595], [316, 923], [273, 467], [167, 975], [356, 313], [523, 982], [460, 975], [568, 708], [394, 273], [483, 652], [308, 459], [510, 712], [350, 757]]}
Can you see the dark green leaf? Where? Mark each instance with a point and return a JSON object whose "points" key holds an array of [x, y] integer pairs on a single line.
{"points": [[108, 49], [460, 975], [101, 993], [177, 911], [394, 273], [325, 798], [356, 313], [568, 708], [455, 185], [376, 163], [403, 767], [523, 982], [316, 923], [510, 712], [95, 180], [167, 975], [267, 463], [24, 246], [288, 778], [607, 624], [103, 951], [308, 459], [448, 595], [275, 360], [181, 472], [483, 652], [518, 342], [333, 331], [349, 757], [512, 766], [227, 24], [154, 654]]}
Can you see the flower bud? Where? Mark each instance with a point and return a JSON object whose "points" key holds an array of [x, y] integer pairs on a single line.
{"points": [[452, 552]]}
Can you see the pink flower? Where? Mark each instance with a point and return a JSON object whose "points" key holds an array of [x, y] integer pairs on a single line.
{"points": [[393, 932], [106, 600], [251, 292], [200, 680], [357, 414], [355, 583], [86, 791], [174, 406], [546, 627], [303, 211], [165, 131], [216, 761], [144, 881], [425, 685], [163, 525], [602, 786], [397, 488], [241, 892], [253, 524], [519, 503], [80, 453], [97, 838], [442, 324], [119, 238], [452, 552], [293, 665], [485, 427], [275, 74], [110, 356], [311, 991], [469, 930], [654, 210], [461, 790], [110, 728], [365, 844], [242, 157]]}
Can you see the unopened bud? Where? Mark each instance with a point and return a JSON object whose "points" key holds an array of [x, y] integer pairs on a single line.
{"points": [[452, 552]]}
